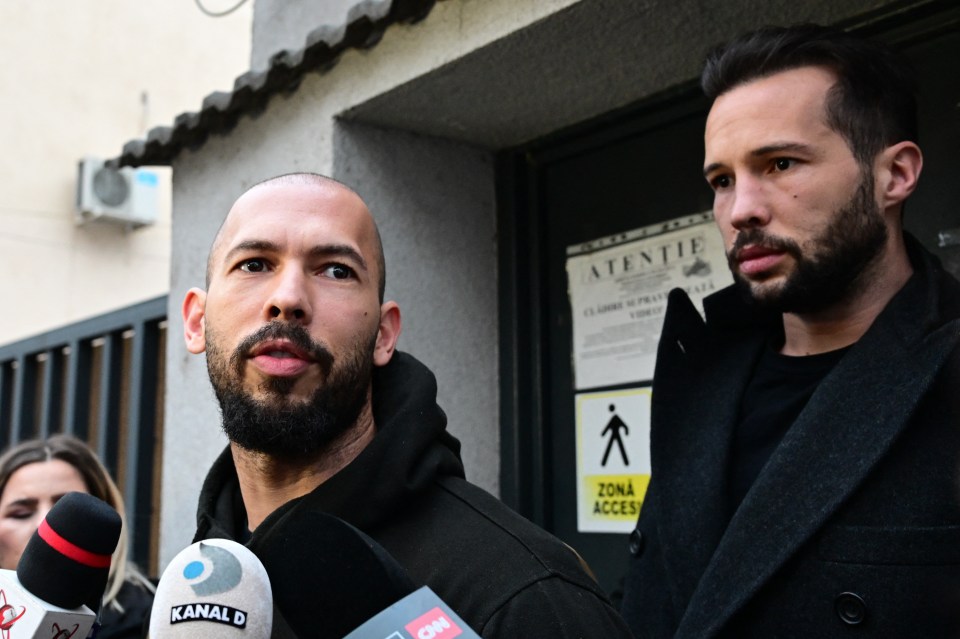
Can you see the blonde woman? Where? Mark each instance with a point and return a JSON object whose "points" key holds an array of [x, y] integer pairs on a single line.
{"points": [[33, 476]]}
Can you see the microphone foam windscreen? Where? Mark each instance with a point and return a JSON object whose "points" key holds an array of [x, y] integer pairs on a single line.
{"points": [[329, 577], [215, 589], [67, 560]]}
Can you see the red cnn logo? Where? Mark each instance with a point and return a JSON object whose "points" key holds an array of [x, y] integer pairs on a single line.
{"points": [[433, 624]]}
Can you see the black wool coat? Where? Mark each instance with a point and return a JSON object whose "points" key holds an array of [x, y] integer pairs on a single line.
{"points": [[852, 529]]}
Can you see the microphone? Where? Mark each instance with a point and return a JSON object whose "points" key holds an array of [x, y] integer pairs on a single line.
{"points": [[419, 615], [213, 589], [356, 589], [344, 574], [64, 566]]}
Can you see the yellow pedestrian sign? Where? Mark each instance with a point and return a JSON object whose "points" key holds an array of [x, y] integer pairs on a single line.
{"points": [[613, 458]]}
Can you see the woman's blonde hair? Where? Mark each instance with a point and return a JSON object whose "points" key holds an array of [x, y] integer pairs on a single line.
{"points": [[99, 484]]}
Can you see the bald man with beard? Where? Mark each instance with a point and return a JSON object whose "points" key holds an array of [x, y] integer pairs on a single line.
{"points": [[324, 415]]}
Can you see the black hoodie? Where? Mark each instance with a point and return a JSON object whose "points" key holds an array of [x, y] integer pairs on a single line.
{"points": [[502, 574]]}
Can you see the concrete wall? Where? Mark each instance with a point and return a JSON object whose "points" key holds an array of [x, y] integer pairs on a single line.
{"points": [[434, 202], [412, 125], [82, 78], [592, 57]]}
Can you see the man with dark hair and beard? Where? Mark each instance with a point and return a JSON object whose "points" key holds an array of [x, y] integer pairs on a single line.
{"points": [[325, 416], [805, 440]]}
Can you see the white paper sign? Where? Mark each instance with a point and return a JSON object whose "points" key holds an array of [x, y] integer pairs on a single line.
{"points": [[618, 294]]}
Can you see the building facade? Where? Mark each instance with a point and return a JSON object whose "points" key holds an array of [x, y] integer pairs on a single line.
{"points": [[502, 145]]}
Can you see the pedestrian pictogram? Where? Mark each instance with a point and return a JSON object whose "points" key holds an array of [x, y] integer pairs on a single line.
{"points": [[613, 458], [614, 426]]}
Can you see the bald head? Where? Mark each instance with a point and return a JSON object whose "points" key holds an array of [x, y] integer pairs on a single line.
{"points": [[291, 323], [323, 183]]}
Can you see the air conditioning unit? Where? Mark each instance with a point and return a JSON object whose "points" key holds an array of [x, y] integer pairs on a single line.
{"points": [[124, 196]]}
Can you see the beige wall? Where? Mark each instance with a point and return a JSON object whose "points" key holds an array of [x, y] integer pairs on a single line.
{"points": [[83, 78]]}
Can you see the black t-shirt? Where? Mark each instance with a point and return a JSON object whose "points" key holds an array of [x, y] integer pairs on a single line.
{"points": [[779, 389]]}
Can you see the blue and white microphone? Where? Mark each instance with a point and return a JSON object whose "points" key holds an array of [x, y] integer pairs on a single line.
{"points": [[215, 589]]}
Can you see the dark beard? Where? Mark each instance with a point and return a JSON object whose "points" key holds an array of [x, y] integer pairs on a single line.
{"points": [[280, 427], [835, 270]]}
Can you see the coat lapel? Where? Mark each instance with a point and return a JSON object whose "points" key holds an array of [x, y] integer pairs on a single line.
{"points": [[694, 511], [830, 449]]}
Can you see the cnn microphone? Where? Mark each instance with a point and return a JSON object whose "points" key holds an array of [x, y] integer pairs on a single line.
{"points": [[61, 576], [215, 589], [419, 615], [353, 587]]}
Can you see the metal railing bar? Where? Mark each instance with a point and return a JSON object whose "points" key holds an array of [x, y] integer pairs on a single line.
{"points": [[76, 420], [7, 382], [51, 405], [24, 396], [108, 419], [140, 431]]}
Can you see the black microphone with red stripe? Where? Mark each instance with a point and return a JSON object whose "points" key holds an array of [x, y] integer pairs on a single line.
{"points": [[67, 561]]}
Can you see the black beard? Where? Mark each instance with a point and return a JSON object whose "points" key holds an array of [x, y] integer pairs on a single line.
{"points": [[835, 270], [276, 425]]}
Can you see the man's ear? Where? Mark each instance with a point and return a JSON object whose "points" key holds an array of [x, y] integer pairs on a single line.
{"points": [[897, 173], [194, 327], [387, 334]]}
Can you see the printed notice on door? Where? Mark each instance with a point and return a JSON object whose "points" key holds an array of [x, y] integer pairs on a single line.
{"points": [[613, 459], [618, 290]]}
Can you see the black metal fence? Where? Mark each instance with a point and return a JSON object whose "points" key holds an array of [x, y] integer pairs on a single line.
{"points": [[101, 380]]}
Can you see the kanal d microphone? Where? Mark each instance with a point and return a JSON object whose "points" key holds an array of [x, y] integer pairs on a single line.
{"points": [[64, 565], [213, 589]]}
